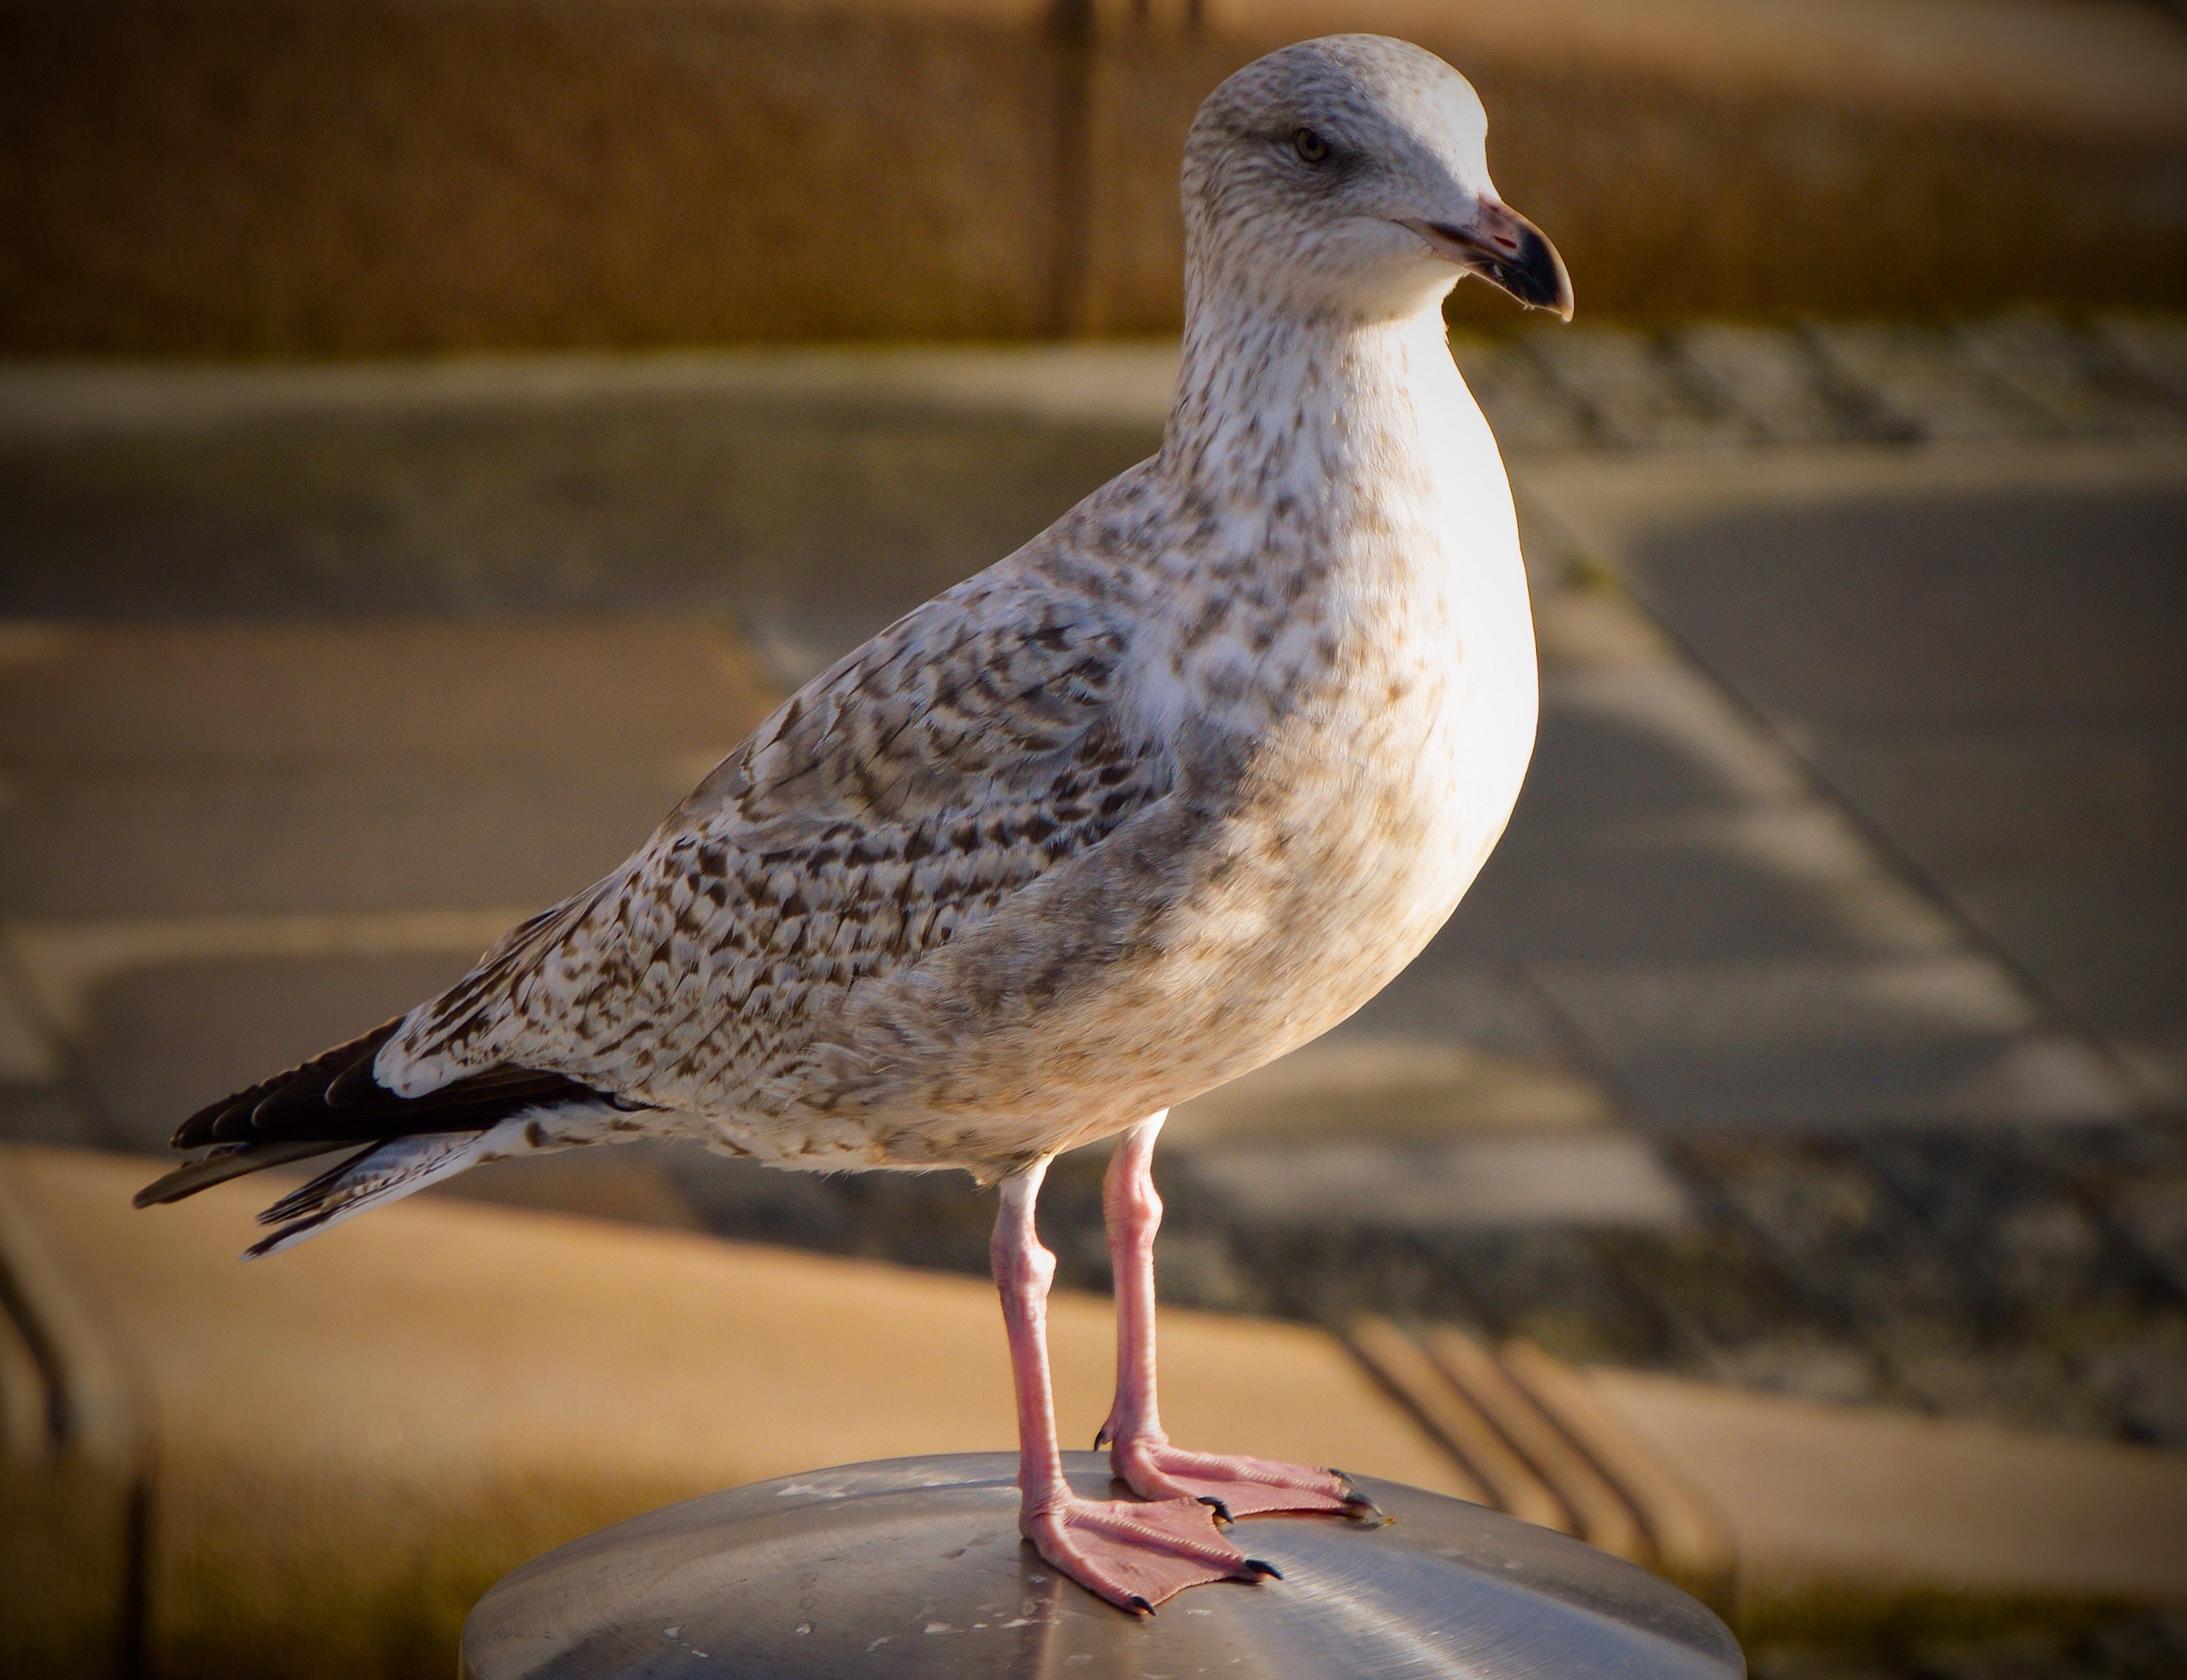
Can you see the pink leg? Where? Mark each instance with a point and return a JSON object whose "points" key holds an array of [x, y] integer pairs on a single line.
{"points": [[1139, 1452], [1134, 1555]]}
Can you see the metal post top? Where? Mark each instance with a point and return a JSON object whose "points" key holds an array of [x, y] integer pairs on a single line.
{"points": [[914, 1567]]}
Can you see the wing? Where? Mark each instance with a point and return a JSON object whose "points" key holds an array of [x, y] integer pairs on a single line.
{"points": [[894, 802]]}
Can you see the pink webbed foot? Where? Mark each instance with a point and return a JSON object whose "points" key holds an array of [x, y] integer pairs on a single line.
{"points": [[1137, 1556], [1233, 1484]]}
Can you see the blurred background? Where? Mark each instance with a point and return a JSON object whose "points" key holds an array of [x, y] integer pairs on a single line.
{"points": [[432, 432]]}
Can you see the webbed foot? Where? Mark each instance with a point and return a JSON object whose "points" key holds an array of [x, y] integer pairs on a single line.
{"points": [[1138, 1555], [1233, 1484]]}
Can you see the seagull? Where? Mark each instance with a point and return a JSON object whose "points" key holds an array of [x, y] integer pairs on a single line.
{"points": [[1169, 791]]}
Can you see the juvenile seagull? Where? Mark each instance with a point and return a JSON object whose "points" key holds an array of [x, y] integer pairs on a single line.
{"points": [[1174, 788]]}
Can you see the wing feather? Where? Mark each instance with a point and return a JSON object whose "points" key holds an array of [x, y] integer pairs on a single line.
{"points": [[898, 799]]}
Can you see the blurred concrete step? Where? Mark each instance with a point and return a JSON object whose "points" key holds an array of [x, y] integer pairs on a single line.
{"points": [[1792, 1517], [342, 1452], [72, 1456], [337, 1452]]}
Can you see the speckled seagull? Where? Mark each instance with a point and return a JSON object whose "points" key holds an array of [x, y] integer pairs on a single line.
{"points": [[1174, 788]]}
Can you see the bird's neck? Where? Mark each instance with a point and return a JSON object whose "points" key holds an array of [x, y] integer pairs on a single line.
{"points": [[1313, 415], [1346, 518]]}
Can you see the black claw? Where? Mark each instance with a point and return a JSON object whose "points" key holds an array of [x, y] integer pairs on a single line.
{"points": [[1100, 1437], [1266, 1569], [1357, 1505], [1140, 1604], [1221, 1511]]}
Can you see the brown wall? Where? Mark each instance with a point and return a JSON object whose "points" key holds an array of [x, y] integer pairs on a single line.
{"points": [[1672, 200], [286, 177]]}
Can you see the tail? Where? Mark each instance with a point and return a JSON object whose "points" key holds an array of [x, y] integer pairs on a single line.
{"points": [[391, 1145]]}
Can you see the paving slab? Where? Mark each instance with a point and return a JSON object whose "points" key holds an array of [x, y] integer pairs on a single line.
{"points": [[487, 498], [214, 691], [1779, 384], [1920, 388], [1420, 1088], [2107, 947], [1793, 1044], [2084, 794], [49, 1115], [1638, 395], [232, 767], [1768, 883], [192, 839], [2154, 347], [2005, 604], [26, 1055], [2075, 380], [1640, 738], [1589, 1179], [1991, 682]]}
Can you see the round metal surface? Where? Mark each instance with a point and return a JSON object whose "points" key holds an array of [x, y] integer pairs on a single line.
{"points": [[914, 1567]]}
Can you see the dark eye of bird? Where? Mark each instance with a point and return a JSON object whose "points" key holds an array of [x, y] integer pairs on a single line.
{"points": [[1309, 145]]}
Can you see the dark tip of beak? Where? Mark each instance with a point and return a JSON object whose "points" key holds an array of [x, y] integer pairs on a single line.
{"points": [[1536, 276], [1513, 255]]}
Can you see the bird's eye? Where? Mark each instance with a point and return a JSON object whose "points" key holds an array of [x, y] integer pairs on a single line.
{"points": [[1310, 146]]}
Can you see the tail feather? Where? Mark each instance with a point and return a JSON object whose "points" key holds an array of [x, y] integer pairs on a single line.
{"points": [[391, 1145], [385, 1174]]}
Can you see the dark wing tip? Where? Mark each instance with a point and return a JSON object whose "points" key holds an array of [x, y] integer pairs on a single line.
{"points": [[238, 1118], [224, 1164]]}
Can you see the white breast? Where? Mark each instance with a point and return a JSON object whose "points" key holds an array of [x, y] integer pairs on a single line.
{"points": [[1377, 802], [1470, 634], [1498, 702]]}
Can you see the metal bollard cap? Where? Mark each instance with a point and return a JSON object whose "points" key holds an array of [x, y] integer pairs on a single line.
{"points": [[914, 1568]]}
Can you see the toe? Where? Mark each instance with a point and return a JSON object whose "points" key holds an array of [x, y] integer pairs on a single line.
{"points": [[1244, 1486], [1137, 1556], [1357, 1505], [1183, 1528]]}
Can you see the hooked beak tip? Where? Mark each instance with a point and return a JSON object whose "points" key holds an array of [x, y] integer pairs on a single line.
{"points": [[1508, 251]]}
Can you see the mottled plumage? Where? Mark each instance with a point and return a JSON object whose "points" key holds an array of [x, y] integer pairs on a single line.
{"points": [[1177, 785], [1170, 791]]}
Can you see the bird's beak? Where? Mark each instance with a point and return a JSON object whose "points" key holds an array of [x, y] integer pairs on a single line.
{"points": [[1508, 251]]}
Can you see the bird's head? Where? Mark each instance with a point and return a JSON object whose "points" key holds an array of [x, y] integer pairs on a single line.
{"points": [[1348, 176]]}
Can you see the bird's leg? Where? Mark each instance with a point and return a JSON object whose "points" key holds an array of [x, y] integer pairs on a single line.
{"points": [[1134, 1555], [1139, 1452]]}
